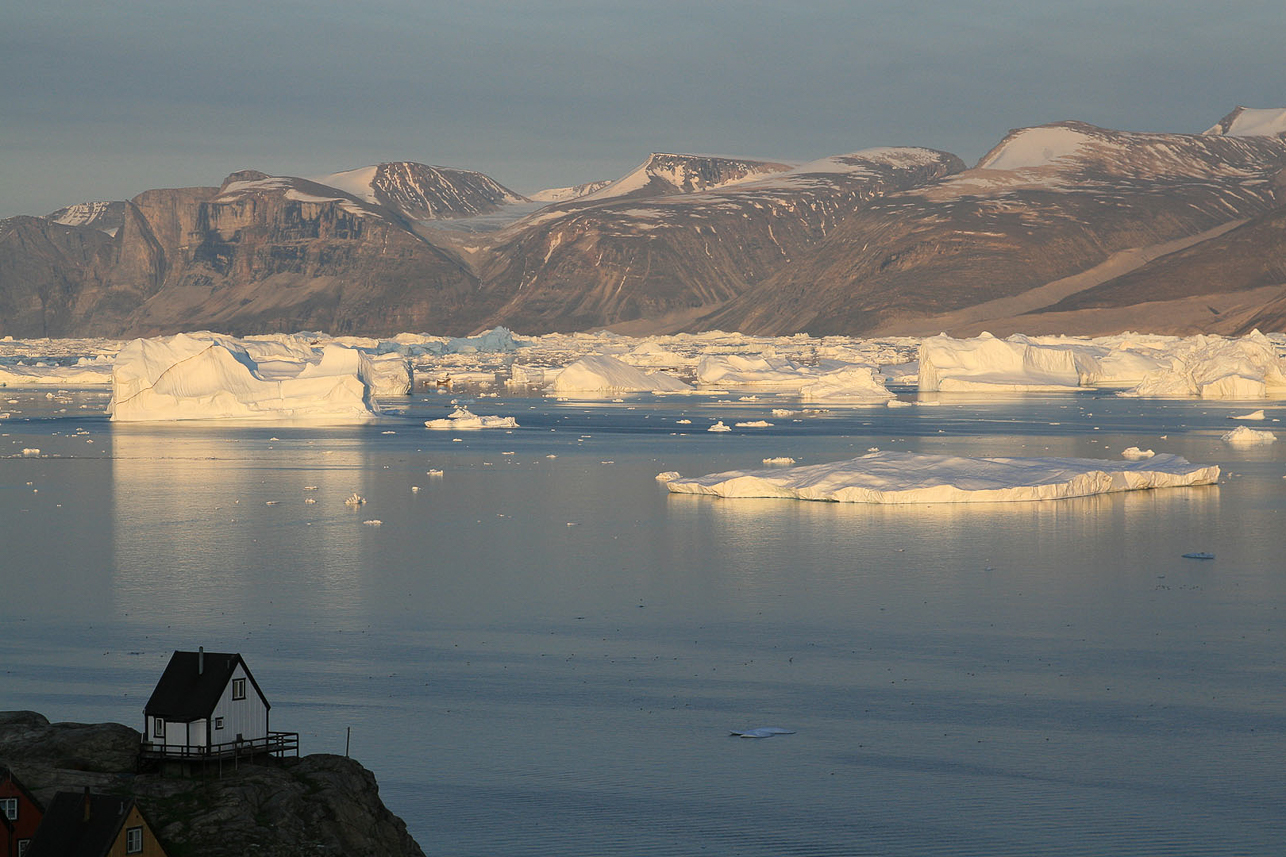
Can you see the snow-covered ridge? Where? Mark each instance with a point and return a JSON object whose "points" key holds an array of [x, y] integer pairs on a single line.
{"points": [[567, 194], [1251, 122], [1035, 147], [414, 191], [1051, 154], [663, 174]]}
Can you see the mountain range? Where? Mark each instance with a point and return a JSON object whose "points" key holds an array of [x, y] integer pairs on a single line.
{"points": [[1064, 227]]}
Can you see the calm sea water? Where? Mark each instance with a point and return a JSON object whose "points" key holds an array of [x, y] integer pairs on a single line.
{"points": [[542, 652]]}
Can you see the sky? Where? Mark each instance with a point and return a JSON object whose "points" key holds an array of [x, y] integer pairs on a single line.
{"points": [[104, 101]]}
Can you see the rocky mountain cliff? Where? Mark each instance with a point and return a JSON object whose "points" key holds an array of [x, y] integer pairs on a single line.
{"points": [[318, 804], [1061, 224]]}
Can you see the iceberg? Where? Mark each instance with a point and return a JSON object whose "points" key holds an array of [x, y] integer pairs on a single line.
{"points": [[829, 380], [462, 419], [607, 375], [1212, 367], [391, 375], [986, 363], [858, 384], [206, 376], [907, 477], [1244, 436]]}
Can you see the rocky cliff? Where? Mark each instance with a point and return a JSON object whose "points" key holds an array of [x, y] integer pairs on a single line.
{"points": [[318, 804]]}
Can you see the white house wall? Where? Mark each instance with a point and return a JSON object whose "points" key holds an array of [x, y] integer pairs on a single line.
{"points": [[178, 733], [247, 717]]}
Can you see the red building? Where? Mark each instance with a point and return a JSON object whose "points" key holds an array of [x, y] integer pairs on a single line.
{"points": [[20, 815]]}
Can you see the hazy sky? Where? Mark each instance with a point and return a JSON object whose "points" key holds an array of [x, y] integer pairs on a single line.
{"points": [[105, 100]]}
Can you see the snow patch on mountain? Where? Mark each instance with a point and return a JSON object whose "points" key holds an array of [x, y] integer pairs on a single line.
{"points": [[358, 183], [1251, 122], [567, 194], [1035, 147]]}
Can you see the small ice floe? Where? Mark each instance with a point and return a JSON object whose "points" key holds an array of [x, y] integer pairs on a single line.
{"points": [[754, 424], [271, 502], [355, 500], [762, 732], [683, 422], [309, 501], [415, 489], [373, 522], [30, 452], [1253, 415], [667, 476], [388, 432], [464, 419], [1136, 454], [310, 487], [784, 412], [719, 426], [897, 403], [1198, 555], [433, 474], [1243, 436], [780, 461]]}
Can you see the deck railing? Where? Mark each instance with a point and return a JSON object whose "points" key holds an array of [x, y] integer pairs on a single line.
{"points": [[277, 744]]}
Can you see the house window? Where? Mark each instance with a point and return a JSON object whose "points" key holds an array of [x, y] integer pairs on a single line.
{"points": [[158, 727], [22, 847], [10, 807], [134, 840], [218, 723], [238, 688]]}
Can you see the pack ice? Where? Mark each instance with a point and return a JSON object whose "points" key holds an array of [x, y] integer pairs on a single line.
{"points": [[906, 477], [210, 376]]}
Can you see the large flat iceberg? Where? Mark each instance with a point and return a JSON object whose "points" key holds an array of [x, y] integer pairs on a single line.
{"points": [[210, 376], [906, 477]]}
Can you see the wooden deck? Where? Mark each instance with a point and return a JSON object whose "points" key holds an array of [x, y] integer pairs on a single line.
{"points": [[278, 744]]}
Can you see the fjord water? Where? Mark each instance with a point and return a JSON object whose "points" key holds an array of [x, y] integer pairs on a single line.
{"points": [[540, 651]]}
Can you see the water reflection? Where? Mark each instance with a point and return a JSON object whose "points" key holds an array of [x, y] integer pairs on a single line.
{"points": [[215, 523]]}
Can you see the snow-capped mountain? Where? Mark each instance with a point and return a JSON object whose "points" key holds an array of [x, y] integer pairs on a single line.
{"points": [[103, 216], [421, 192], [1065, 227], [667, 174]]}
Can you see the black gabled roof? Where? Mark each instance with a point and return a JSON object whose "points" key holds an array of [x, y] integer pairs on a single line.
{"points": [[64, 832], [185, 694]]}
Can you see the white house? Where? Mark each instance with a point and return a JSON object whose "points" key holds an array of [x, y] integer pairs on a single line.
{"points": [[207, 704]]}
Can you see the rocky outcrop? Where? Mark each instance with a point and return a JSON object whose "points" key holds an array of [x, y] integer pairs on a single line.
{"points": [[318, 804], [45, 267]]}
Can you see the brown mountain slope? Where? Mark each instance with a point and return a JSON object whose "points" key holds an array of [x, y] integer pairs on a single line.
{"points": [[1046, 204], [647, 265]]}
